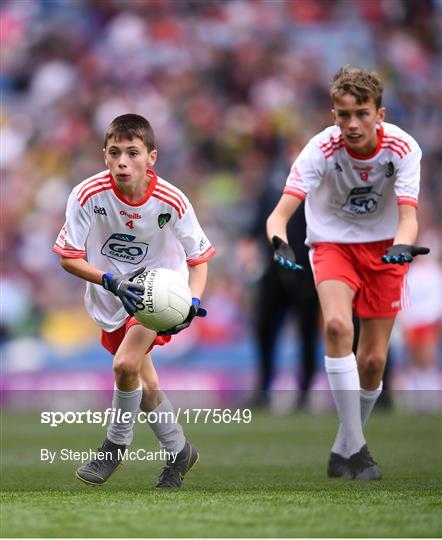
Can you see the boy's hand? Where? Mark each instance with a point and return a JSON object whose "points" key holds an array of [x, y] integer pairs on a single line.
{"points": [[195, 311], [402, 253], [283, 254], [123, 287]]}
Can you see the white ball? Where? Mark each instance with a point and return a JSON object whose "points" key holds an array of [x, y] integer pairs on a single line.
{"points": [[166, 300]]}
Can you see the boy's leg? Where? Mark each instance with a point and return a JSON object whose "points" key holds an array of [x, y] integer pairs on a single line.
{"points": [[182, 455], [336, 299], [127, 366], [167, 430], [371, 358], [126, 401]]}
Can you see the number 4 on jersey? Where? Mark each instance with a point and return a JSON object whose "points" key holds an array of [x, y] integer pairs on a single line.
{"points": [[130, 224]]}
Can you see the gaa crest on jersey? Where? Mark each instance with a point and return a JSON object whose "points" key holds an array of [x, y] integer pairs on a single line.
{"points": [[163, 219], [389, 170], [361, 200], [121, 247]]}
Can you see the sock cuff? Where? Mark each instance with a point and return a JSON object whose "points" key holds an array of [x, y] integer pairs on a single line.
{"points": [[369, 395], [343, 364], [124, 394]]}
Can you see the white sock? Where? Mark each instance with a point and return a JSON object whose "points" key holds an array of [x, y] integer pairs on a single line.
{"points": [[167, 430], [125, 402], [343, 378], [368, 399]]}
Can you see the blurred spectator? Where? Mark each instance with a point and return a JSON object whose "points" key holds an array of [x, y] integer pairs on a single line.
{"points": [[231, 87], [422, 323], [281, 294]]}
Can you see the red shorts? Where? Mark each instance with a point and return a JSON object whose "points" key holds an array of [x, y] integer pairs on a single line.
{"points": [[380, 288], [112, 340]]}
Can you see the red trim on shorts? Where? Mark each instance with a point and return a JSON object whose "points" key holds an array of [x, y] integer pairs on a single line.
{"points": [[112, 340]]}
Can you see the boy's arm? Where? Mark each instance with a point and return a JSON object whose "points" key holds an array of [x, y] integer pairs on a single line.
{"points": [[82, 269], [277, 231], [403, 249], [278, 219], [198, 279], [406, 232], [121, 285]]}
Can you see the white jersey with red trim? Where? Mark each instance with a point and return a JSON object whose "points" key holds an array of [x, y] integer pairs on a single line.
{"points": [[117, 236], [351, 198]]}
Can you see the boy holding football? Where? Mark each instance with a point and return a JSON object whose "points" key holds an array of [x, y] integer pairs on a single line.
{"points": [[117, 220], [360, 180]]}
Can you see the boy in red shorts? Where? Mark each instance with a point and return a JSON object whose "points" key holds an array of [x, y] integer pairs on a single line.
{"points": [[118, 223], [360, 182]]}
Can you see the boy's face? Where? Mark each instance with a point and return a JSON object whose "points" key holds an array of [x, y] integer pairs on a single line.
{"points": [[358, 122], [128, 160]]}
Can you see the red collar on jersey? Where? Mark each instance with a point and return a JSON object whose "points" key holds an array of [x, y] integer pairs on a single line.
{"points": [[376, 150], [151, 187]]}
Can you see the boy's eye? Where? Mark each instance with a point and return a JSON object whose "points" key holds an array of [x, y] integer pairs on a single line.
{"points": [[133, 154], [113, 153]]}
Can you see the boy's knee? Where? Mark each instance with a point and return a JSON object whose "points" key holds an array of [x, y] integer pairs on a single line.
{"points": [[372, 365], [126, 366], [337, 329]]}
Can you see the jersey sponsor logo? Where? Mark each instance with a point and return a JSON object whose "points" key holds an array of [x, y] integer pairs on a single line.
{"points": [[389, 170], [121, 247], [100, 210], [203, 243], [135, 215], [163, 219], [361, 200]]}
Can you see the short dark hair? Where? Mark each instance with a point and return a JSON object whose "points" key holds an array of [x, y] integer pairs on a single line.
{"points": [[360, 83], [128, 126]]}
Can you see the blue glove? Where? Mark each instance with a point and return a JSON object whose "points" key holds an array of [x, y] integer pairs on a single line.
{"points": [[402, 253], [283, 254], [123, 287], [195, 311]]}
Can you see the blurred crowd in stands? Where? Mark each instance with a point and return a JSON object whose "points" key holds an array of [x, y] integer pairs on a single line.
{"points": [[233, 89]]}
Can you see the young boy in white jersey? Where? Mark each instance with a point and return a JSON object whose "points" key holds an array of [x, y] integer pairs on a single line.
{"points": [[360, 180], [120, 219]]}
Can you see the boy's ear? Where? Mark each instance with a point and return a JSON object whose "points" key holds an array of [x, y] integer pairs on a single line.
{"points": [[104, 156], [152, 157], [380, 115], [333, 112]]}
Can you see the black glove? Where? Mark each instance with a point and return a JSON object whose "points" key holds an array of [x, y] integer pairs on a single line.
{"points": [[402, 253], [195, 311], [123, 287], [283, 254]]}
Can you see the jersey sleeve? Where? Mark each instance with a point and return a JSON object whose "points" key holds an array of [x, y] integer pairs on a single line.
{"points": [[406, 186], [71, 241], [306, 172], [197, 246]]}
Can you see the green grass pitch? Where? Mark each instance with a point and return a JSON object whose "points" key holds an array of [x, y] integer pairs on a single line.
{"points": [[264, 479]]}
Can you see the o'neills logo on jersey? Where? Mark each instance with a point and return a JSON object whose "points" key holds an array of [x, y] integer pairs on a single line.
{"points": [[135, 215], [147, 279]]}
